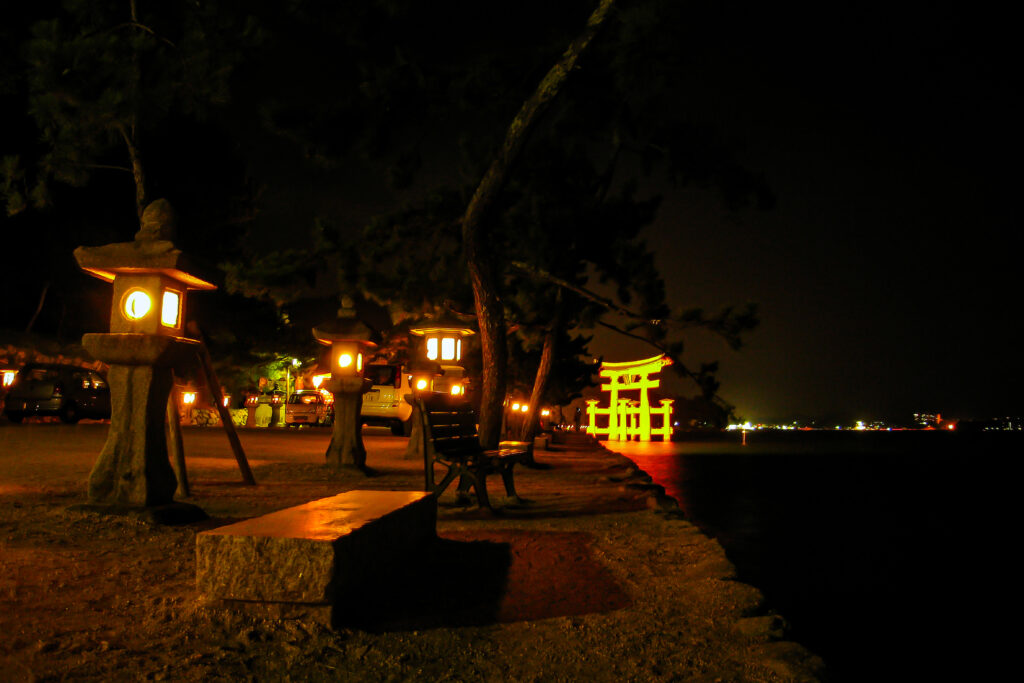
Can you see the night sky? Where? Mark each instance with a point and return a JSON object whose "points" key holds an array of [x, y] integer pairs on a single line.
{"points": [[886, 274]]}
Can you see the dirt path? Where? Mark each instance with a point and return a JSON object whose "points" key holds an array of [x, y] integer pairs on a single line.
{"points": [[588, 583]]}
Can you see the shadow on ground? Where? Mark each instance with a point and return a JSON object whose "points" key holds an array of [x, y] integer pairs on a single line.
{"points": [[478, 577]]}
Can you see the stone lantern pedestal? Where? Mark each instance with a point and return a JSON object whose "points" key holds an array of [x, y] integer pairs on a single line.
{"points": [[133, 472], [346, 448]]}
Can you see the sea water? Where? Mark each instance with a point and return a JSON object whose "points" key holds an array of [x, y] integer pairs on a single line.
{"points": [[890, 554]]}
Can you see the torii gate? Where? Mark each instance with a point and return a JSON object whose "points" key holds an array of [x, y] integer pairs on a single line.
{"points": [[629, 418]]}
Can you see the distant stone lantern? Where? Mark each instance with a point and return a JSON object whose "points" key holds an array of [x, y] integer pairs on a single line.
{"points": [[151, 280], [349, 342], [422, 374]]}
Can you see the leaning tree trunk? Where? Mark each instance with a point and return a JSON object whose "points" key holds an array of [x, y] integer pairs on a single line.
{"points": [[540, 382], [489, 310]]}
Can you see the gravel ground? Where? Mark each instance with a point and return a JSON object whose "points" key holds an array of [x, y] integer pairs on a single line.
{"points": [[597, 578]]}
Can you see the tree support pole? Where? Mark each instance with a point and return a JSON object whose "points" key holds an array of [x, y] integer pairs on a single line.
{"points": [[225, 417], [174, 443]]}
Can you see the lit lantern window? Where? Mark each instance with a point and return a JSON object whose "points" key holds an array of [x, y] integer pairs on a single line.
{"points": [[447, 348], [345, 360], [456, 389], [432, 348], [421, 384], [515, 406], [458, 349], [359, 362], [188, 397], [137, 304], [525, 408], [170, 308]]}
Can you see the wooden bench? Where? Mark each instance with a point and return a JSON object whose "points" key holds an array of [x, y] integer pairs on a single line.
{"points": [[449, 438], [312, 560]]}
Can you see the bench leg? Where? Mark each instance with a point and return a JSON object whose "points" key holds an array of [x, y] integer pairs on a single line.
{"points": [[439, 489], [509, 481], [476, 478]]}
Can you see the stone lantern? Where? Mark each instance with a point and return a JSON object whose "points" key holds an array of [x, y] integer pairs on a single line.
{"points": [[442, 344], [422, 375], [349, 342], [151, 280]]}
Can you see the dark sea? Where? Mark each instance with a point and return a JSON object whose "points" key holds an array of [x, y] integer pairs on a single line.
{"points": [[893, 555]]}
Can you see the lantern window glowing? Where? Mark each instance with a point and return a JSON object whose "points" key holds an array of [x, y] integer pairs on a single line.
{"points": [[447, 348], [359, 362], [8, 378], [456, 389], [188, 397], [318, 380], [345, 360], [170, 308], [525, 407], [432, 348], [227, 401], [515, 406], [421, 384], [136, 304]]}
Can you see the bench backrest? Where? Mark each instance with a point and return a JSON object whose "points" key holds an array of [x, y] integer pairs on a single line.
{"points": [[449, 427]]}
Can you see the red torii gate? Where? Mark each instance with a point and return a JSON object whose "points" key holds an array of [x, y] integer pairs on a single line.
{"points": [[629, 418]]}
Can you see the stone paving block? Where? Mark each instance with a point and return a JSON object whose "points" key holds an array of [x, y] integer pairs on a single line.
{"points": [[314, 554]]}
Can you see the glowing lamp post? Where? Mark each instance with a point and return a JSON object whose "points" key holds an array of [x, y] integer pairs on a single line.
{"points": [[150, 278], [349, 342]]}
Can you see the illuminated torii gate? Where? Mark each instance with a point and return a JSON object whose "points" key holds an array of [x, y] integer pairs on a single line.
{"points": [[628, 418]]}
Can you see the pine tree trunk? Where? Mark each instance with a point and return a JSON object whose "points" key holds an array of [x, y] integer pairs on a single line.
{"points": [[540, 383], [489, 310]]}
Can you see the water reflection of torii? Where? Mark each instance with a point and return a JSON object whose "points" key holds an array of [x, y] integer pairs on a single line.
{"points": [[628, 418]]}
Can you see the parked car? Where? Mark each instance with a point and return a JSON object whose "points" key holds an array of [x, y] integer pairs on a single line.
{"points": [[384, 404], [307, 407], [67, 391]]}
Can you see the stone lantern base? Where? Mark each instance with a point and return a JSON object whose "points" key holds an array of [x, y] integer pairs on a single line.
{"points": [[133, 473], [346, 448]]}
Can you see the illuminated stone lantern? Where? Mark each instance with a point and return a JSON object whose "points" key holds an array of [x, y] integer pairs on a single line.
{"points": [[349, 342], [443, 344], [151, 280]]}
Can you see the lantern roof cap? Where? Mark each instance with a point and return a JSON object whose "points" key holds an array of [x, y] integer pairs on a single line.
{"points": [[152, 252], [142, 257], [347, 327], [445, 322]]}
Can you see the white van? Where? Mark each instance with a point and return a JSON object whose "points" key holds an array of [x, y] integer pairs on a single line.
{"points": [[384, 404]]}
